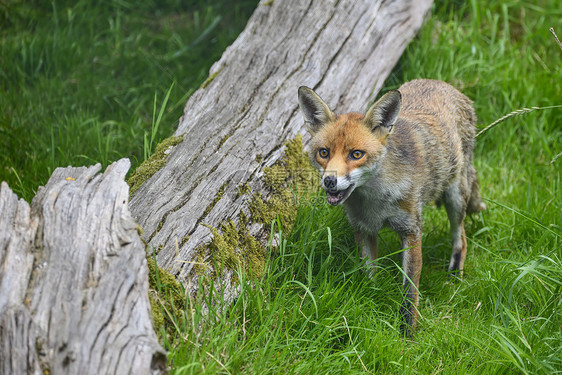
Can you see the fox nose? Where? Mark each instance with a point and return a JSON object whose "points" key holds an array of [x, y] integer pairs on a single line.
{"points": [[330, 182]]}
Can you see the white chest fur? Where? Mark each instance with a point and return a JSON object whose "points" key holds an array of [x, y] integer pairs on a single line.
{"points": [[370, 208]]}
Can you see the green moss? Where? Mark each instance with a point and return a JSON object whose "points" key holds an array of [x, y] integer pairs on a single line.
{"points": [[224, 139], [253, 254], [217, 198], [184, 240], [281, 205], [293, 171], [289, 180], [199, 266], [153, 164], [167, 298], [242, 190], [223, 246], [140, 232], [211, 78], [158, 321], [232, 245]]}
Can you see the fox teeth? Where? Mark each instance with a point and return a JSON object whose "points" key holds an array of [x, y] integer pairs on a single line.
{"points": [[335, 197]]}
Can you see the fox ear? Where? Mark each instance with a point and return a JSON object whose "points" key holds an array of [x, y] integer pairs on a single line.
{"points": [[384, 112], [315, 111]]}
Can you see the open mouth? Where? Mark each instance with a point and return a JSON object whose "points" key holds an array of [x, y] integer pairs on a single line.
{"points": [[335, 197]]}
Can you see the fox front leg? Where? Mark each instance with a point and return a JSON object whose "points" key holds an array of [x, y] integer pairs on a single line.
{"points": [[412, 265], [369, 245]]}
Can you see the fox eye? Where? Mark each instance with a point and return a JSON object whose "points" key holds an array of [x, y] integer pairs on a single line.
{"points": [[324, 153], [356, 154]]}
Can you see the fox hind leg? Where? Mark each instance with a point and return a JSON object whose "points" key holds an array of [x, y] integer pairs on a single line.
{"points": [[455, 201], [412, 265], [475, 203]]}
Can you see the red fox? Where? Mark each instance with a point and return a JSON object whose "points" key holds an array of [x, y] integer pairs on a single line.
{"points": [[413, 146]]}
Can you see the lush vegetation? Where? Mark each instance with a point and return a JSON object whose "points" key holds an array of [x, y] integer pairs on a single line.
{"points": [[79, 84], [83, 82]]}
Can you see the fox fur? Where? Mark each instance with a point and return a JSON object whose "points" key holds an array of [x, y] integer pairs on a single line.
{"points": [[413, 146]]}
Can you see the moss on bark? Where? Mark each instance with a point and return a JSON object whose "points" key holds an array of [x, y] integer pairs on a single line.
{"points": [[287, 181], [153, 164], [166, 296]]}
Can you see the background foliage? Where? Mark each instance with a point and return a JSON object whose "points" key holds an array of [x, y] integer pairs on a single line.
{"points": [[80, 80]]}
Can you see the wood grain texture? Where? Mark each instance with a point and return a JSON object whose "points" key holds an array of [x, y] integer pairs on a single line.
{"points": [[74, 285], [237, 122]]}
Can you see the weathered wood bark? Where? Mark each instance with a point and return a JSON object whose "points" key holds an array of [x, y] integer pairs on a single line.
{"points": [[236, 123], [73, 281]]}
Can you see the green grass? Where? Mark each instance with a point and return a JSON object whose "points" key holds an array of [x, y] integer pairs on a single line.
{"points": [[83, 83], [80, 80]]}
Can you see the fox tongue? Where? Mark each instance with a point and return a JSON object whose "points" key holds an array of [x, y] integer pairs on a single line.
{"points": [[334, 198]]}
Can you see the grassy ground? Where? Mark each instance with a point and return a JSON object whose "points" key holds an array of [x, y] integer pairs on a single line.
{"points": [[80, 80], [79, 84]]}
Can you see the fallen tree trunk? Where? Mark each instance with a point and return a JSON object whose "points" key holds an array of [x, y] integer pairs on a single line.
{"points": [[73, 285], [208, 179]]}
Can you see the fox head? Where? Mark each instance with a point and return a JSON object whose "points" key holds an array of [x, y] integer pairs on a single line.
{"points": [[347, 148]]}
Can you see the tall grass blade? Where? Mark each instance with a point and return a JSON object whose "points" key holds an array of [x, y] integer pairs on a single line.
{"points": [[517, 112]]}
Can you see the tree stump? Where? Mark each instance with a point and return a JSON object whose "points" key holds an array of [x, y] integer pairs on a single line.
{"points": [[73, 281], [235, 126]]}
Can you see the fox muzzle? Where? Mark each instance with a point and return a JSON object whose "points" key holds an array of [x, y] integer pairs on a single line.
{"points": [[330, 182]]}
